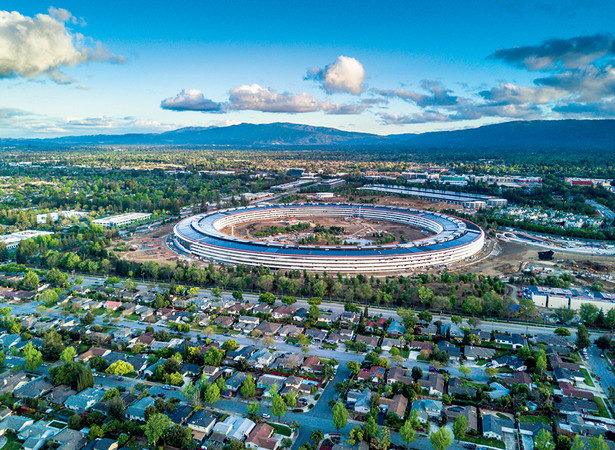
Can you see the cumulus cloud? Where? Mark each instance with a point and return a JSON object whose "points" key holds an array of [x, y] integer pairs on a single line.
{"points": [[43, 45], [405, 119], [571, 53], [254, 97], [345, 75], [508, 93], [190, 100], [587, 84], [437, 95]]}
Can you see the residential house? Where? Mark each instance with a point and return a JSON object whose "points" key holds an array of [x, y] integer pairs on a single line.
{"points": [[201, 421], [397, 374], [427, 408], [420, 346], [316, 334], [335, 338], [473, 353], [69, 439], [93, 351], [180, 414], [371, 342], [268, 328], [224, 321], [375, 374], [469, 412], [268, 381], [60, 394], [262, 358], [453, 351], [136, 411], [84, 399], [139, 362], [312, 364], [565, 375], [396, 405], [34, 389], [261, 438], [283, 312], [514, 340], [569, 390], [349, 318], [361, 402], [494, 427], [456, 388], [290, 330], [234, 383], [388, 344], [434, 384], [234, 427], [14, 424], [300, 315], [512, 362], [396, 328]]}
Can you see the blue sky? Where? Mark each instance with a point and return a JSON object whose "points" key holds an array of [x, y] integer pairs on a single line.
{"points": [[76, 67]]}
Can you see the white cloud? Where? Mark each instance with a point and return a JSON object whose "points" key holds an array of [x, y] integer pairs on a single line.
{"points": [[255, 97], [42, 45], [346, 74], [423, 117], [189, 100]]}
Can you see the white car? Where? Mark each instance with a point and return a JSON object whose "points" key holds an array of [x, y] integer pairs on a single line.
{"points": [[266, 416]]}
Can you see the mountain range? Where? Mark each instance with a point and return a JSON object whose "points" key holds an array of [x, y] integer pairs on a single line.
{"points": [[555, 135]]}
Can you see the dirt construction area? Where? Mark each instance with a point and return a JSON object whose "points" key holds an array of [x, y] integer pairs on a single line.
{"points": [[345, 228], [151, 246]]}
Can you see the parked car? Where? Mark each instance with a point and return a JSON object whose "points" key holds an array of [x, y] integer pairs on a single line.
{"points": [[266, 416]]}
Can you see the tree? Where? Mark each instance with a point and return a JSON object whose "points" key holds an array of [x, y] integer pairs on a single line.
{"points": [[68, 355], [278, 406], [417, 373], [248, 388], [582, 337], [407, 432], [116, 408], [603, 343], [562, 331], [289, 300], [441, 439], [340, 416], [456, 320], [563, 314], [34, 358], [460, 427], [156, 426], [313, 313], [253, 408], [212, 394], [577, 443], [111, 393], [465, 371], [491, 372], [49, 298], [541, 361], [267, 297], [588, 313], [120, 368], [472, 305], [30, 279], [291, 399], [317, 436], [230, 345], [353, 367], [544, 441], [370, 428], [597, 443]]}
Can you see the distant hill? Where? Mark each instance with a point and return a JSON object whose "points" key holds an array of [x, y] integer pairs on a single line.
{"points": [[545, 135]]}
